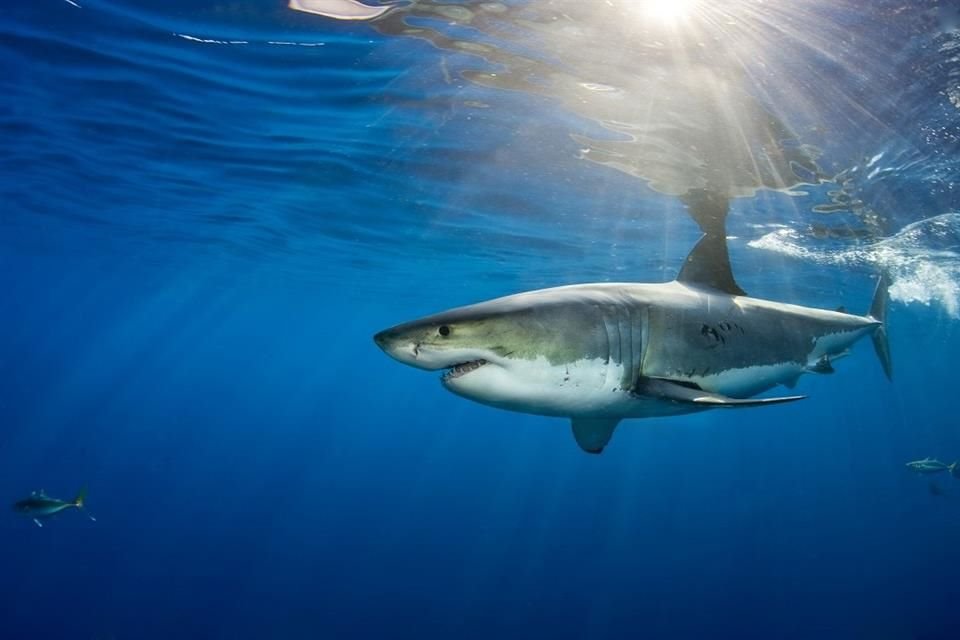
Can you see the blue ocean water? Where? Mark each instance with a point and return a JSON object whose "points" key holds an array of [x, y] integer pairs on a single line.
{"points": [[208, 208]]}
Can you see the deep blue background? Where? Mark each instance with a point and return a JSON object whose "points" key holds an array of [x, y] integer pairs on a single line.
{"points": [[198, 243]]}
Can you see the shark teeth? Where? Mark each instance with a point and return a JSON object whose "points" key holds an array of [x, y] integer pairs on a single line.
{"points": [[463, 368]]}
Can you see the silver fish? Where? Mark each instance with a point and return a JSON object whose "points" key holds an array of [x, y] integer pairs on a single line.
{"points": [[931, 465], [38, 505]]}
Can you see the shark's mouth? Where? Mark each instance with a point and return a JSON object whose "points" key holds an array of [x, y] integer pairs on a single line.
{"points": [[463, 369]]}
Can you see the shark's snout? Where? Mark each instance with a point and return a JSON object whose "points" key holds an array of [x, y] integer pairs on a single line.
{"points": [[398, 346], [391, 342], [382, 339]]}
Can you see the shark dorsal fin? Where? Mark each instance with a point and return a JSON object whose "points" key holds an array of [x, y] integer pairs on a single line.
{"points": [[708, 265]]}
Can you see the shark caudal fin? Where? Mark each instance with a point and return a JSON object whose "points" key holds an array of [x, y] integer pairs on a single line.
{"points": [[80, 502], [878, 312]]}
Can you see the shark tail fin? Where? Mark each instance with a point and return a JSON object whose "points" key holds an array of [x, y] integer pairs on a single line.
{"points": [[878, 312], [81, 498], [80, 502], [954, 469]]}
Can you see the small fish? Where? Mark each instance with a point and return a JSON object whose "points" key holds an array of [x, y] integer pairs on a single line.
{"points": [[39, 505], [931, 465]]}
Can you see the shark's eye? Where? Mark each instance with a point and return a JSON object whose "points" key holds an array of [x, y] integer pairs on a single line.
{"points": [[444, 330]]}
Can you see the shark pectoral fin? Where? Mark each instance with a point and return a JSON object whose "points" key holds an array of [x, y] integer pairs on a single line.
{"points": [[38, 523], [677, 392], [593, 434], [723, 401]]}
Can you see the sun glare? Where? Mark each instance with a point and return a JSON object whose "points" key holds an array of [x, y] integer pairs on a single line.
{"points": [[668, 10]]}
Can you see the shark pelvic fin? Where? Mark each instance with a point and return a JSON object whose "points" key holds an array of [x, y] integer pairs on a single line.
{"points": [[593, 434], [708, 265], [822, 365], [680, 392]]}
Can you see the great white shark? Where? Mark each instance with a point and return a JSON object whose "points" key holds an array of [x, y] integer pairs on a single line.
{"points": [[600, 353]]}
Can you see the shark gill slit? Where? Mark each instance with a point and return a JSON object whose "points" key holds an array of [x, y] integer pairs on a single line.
{"points": [[644, 340], [619, 325], [636, 320], [626, 348], [613, 344], [613, 381]]}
